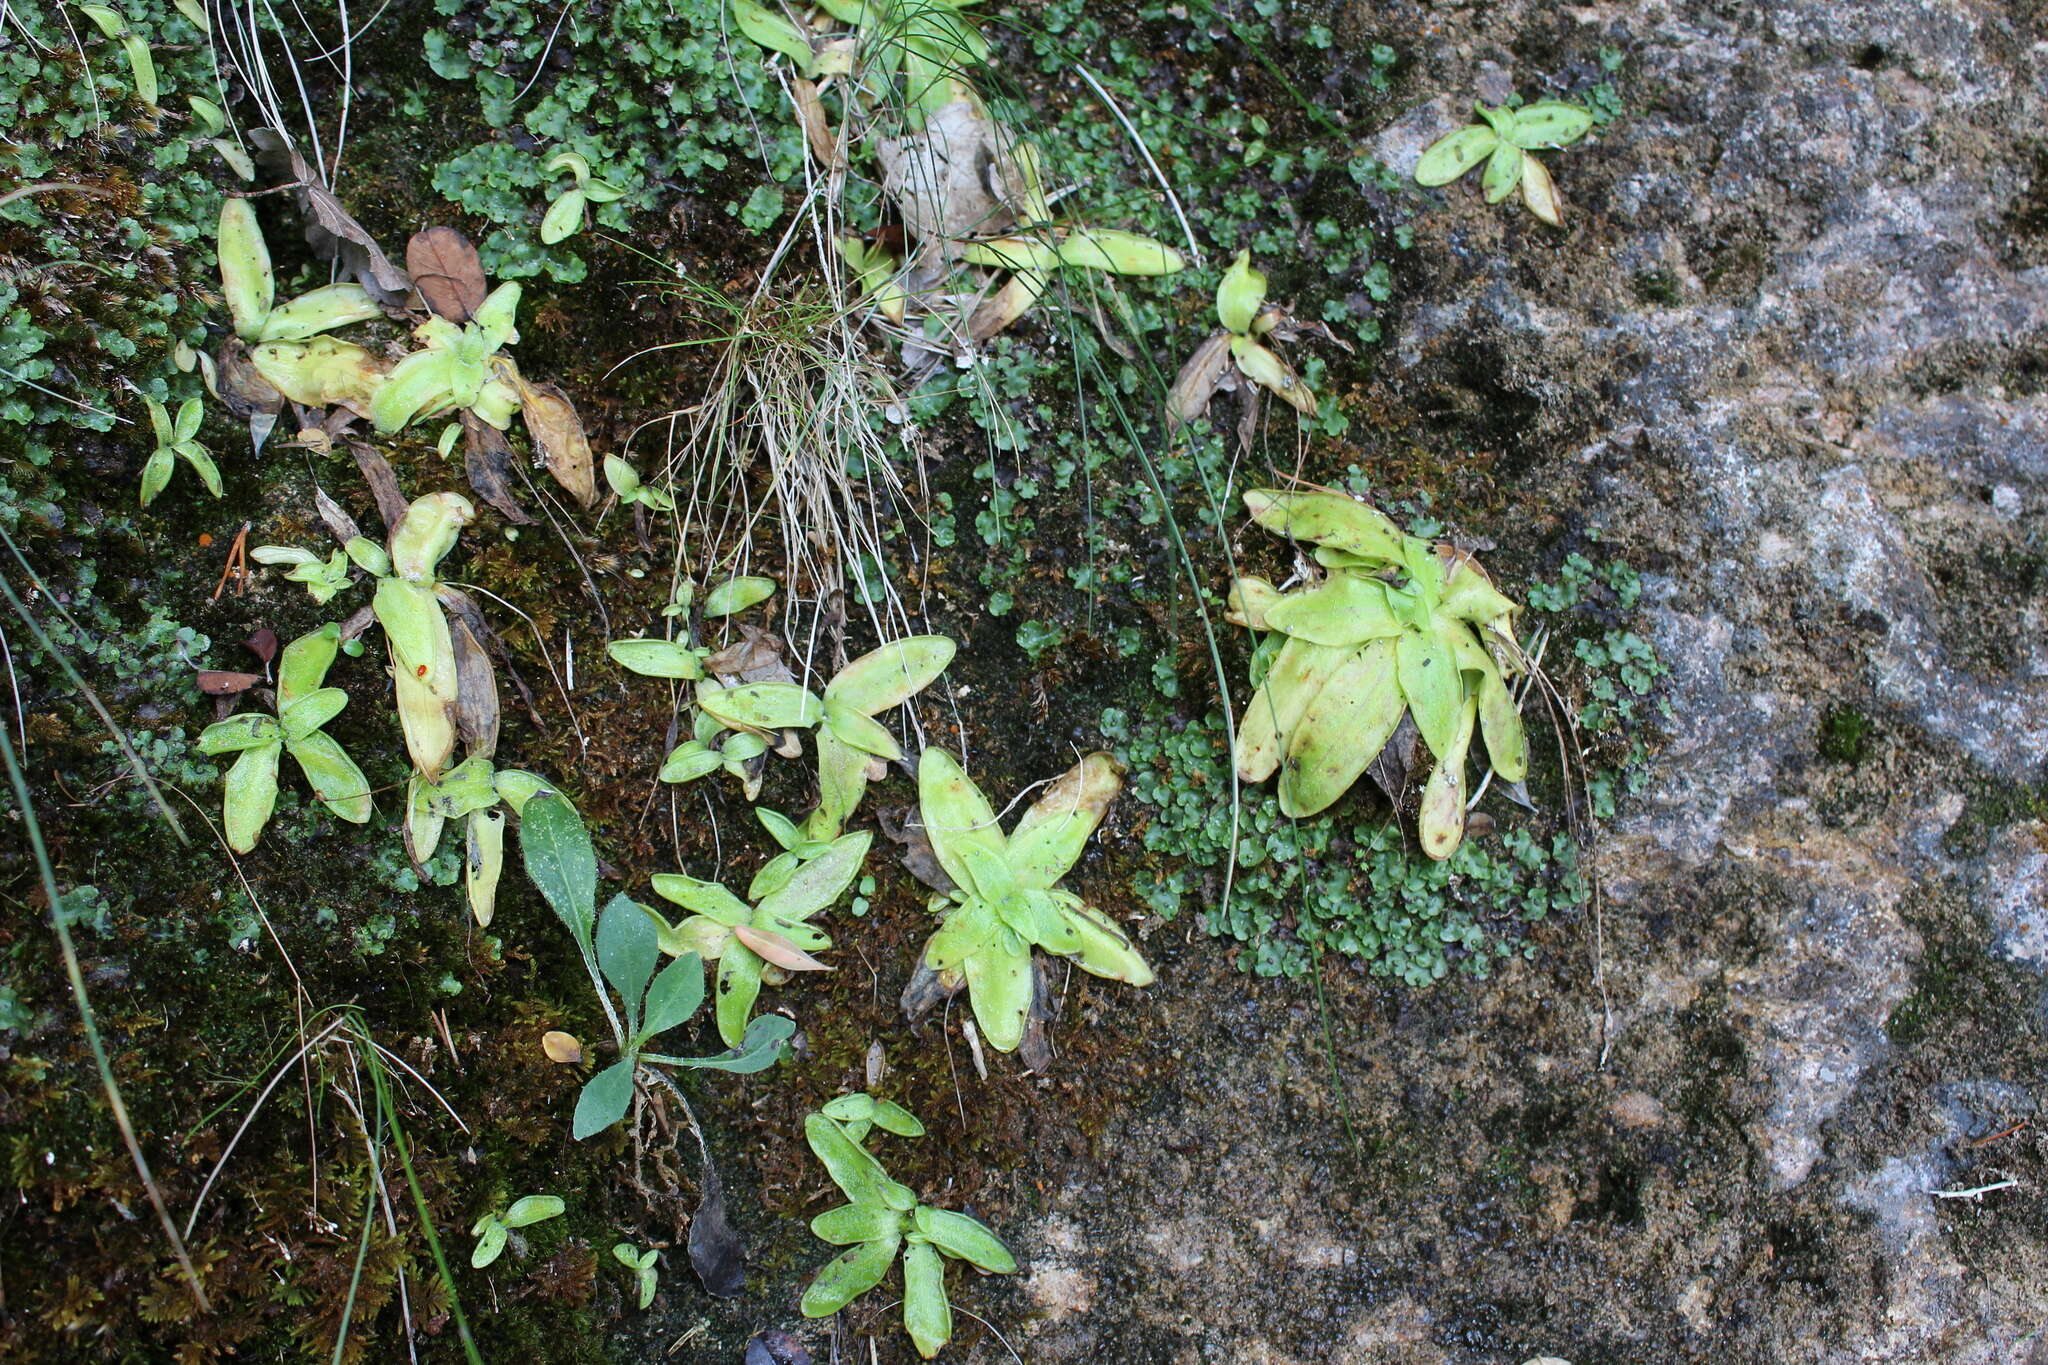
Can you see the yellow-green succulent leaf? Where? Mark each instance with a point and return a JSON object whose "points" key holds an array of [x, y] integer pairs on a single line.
{"points": [[1341, 730], [1440, 820], [861, 732], [427, 532], [1105, 949], [247, 281], [819, 881], [999, 986], [849, 1275], [310, 712], [333, 776], [250, 795], [1454, 154], [564, 218], [956, 815], [302, 665], [653, 658], [736, 595], [1433, 686], [966, 1239], [703, 897], [497, 317], [739, 986], [1343, 610], [889, 676], [320, 310], [483, 862], [237, 733], [1051, 835], [852, 1224], [1265, 368], [762, 706], [1119, 253], [1275, 709], [1550, 123], [1328, 519], [1503, 172], [927, 1316], [1012, 253], [1240, 295]]}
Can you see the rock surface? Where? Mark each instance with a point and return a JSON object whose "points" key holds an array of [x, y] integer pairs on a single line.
{"points": [[1789, 355]]}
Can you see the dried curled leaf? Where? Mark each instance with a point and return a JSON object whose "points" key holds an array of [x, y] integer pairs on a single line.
{"points": [[558, 434], [448, 272]]}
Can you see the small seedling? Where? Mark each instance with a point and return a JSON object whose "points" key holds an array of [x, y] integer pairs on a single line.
{"points": [[174, 442], [853, 747], [111, 22], [885, 1217], [324, 579], [1005, 900], [492, 1229], [646, 1279], [1399, 626], [625, 481], [1507, 140], [765, 940], [303, 707], [564, 217], [1248, 322]]}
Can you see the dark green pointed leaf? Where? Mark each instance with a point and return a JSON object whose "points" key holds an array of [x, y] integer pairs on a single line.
{"points": [[560, 861], [628, 950], [604, 1099], [675, 995]]}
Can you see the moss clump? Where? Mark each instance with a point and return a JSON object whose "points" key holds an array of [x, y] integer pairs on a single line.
{"points": [[1844, 731]]}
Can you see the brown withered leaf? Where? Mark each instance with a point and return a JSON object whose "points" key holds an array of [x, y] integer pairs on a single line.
{"points": [[263, 644], [755, 657], [1397, 763], [557, 434], [338, 522], [927, 988], [215, 682], [486, 455], [1197, 381], [476, 682], [383, 483], [331, 230], [238, 383], [448, 273], [905, 828], [810, 112]]}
